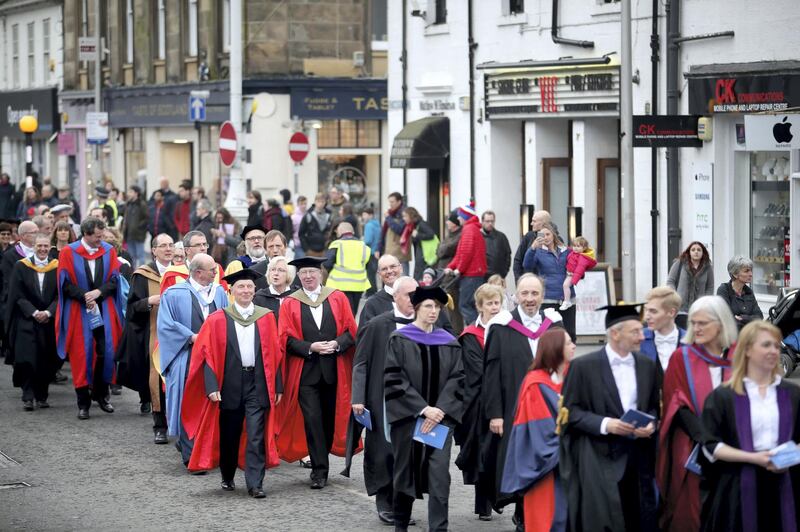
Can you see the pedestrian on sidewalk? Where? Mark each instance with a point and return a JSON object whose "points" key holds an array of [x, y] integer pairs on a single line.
{"points": [[469, 262]]}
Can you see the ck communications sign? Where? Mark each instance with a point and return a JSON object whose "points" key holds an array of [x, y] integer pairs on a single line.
{"points": [[665, 132]]}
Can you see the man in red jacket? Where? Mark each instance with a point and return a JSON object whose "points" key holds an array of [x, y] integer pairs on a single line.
{"points": [[469, 262]]}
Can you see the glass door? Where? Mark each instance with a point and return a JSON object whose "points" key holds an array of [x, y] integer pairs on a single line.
{"points": [[608, 212], [557, 181]]}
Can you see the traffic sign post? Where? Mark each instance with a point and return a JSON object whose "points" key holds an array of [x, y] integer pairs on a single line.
{"points": [[198, 105], [298, 147], [228, 144]]}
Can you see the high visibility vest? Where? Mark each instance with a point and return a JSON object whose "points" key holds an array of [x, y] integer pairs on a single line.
{"points": [[349, 273]]}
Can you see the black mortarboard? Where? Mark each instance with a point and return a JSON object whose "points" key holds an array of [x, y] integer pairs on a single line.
{"points": [[307, 262], [423, 293], [242, 275], [619, 313], [255, 227]]}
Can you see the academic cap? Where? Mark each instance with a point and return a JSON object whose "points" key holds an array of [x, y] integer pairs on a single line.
{"points": [[255, 227], [307, 262], [423, 293], [622, 312], [242, 275], [61, 207]]}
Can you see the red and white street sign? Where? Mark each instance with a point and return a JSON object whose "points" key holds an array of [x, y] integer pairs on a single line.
{"points": [[298, 147], [227, 143]]}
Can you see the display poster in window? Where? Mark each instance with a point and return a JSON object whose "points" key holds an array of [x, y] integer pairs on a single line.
{"points": [[595, 290], [703, 203]]}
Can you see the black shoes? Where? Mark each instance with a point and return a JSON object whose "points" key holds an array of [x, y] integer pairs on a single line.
{"points": [[160, 436], [319, 483], [256, 493], [485, 517], [145, 408], [305, 463], [106, 407], [83, 413], [228, 485], [59, 378], [42, 404], [27, 406], [387, 518]]}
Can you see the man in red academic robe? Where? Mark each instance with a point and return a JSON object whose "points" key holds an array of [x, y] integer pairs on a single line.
{"points": [[317, 332], [234, 381]]}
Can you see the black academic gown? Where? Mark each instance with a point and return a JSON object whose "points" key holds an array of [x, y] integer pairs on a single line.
{"points": [[592, 464], [467, 434], [9, 258], [33, 344], [367, 389], [722, 510], [416, 376], [261, 283], [382, 302], [508, 359], [265, 298], [133, 351]]}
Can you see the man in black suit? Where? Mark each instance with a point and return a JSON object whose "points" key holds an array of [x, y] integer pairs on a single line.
{"points": [[607, 466], [33, 297]]}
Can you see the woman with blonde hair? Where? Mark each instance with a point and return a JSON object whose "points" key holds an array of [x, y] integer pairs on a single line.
{"points": [[280, 275], [745, 421]]}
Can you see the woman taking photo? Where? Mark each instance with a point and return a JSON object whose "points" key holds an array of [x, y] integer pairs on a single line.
{"points": [[547, 258], [692, 276], [279, 276], [531, 467], [415, 231], [745, 419], [488, 302], [739, 296], [63, 235], [694, 371]]}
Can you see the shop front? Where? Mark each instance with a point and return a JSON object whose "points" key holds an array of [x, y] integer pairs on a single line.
{"points": [[43, 105], [754, 156]]}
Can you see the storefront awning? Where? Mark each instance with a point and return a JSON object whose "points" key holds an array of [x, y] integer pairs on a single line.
{"points": [[423, 143]]}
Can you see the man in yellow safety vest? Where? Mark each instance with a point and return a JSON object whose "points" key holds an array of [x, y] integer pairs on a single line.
{"points": [[346, 263]]}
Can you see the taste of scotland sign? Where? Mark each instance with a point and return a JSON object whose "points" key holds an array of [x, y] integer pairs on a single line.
{"points": [[561, 92]]}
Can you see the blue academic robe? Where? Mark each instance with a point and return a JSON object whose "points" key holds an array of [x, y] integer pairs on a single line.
{"points": [[174, 327]]}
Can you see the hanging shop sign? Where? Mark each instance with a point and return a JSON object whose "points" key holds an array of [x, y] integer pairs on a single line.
{"points": [[702, 186], [665, 132], [39, 103], [772, 132], [743, 94], [562, 92]]}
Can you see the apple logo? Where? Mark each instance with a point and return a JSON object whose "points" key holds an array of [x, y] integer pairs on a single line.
{"points": [[782, 131]]}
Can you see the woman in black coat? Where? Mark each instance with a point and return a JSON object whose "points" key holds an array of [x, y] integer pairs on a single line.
{"points": [[737, 294], [416, 230], [279, 276], [745, 419]]}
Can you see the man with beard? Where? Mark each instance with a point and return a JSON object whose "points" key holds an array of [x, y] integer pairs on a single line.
{"points": [[318, 332], [253, 237], [137, 368], [183, 309], [89, 315], [511, 340], [33, 298], [368, 387]]}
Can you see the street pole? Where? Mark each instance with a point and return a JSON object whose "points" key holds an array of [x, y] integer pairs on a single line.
{"points": [[98, 104], [28, 126], [236, 202], [626, 160]]}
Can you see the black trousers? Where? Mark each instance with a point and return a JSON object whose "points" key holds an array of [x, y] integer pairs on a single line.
{"points": [[483, 505], [35, 384], [384, 498], [354, 298], [98, 390], [318, 404], [230, 432]]}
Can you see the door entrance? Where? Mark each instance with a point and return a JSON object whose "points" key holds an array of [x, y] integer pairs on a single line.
{"points": [[608, 212], [176, 163], [557, 182]]}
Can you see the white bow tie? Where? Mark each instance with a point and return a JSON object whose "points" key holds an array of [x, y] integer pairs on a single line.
{"points": [[627, 361]]}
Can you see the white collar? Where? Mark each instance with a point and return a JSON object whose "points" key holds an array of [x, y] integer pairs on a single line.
{"points": [[528, 321], [203, 290], [314, 294], [273, 291], [672, 336], [83, 243], [29, 251], [750, 384], [38, 262], [479, 323], [161, 268], [256, 261], [245, 312], [388, 289], [613, 355], [398, 314]]}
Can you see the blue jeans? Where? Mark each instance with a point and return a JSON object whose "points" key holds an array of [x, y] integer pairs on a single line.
{"points": [[466, 298], [136, 249]]}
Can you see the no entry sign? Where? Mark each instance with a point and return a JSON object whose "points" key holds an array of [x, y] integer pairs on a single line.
{"points": [[298, 147], [227, 144]]}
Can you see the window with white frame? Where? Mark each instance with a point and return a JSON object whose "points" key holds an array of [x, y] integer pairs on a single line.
{"points": [[46, 46], [226, 26], [31, 58], [15, 54], [162, 30], [513, 7], [129, 32], [191, 34]]}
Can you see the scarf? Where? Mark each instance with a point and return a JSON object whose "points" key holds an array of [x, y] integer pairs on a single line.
{"points": [[390, 214], [405, 238]]}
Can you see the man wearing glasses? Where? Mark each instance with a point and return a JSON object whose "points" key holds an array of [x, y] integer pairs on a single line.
{"points": [[255, 252], [194, 242], [389, 269], [137, 369], [183, 309]]}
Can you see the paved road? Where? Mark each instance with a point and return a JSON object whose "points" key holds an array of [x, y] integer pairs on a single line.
{"points": [[105, 473]]}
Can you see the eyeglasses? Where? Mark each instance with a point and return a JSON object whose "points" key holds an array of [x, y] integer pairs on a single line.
{"points": [[162, 246], [201, 245], [392, 267], [254, 238], [701, 324], [279, 270]]}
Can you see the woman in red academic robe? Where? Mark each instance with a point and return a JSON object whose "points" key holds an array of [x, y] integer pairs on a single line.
{"points": [[531, 467], [694, 371]]}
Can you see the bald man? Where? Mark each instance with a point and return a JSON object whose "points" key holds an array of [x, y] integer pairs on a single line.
{"points": [[346, 263], [389, 269]]}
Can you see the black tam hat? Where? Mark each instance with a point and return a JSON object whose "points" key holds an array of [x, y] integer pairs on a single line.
{"points": [[619, 313], [423, 293], [307, 262], [242, 275], [256, 227]]}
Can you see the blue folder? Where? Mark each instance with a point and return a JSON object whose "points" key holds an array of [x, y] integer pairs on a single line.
{"points": [[435, 438], [692, 464], [365, 419], [786, 455], [637, 419]]}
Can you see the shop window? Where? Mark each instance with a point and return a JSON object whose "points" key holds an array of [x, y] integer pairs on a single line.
{"points": [[349, 134], [769, 224]]}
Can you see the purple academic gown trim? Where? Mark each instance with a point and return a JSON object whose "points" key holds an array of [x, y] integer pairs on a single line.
{"points": [[435, 337]]}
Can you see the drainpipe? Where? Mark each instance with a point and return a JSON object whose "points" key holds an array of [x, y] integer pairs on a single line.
{"points": [[404, 61], [673, 93], [471, 47], [562, 40], [654, 47]]}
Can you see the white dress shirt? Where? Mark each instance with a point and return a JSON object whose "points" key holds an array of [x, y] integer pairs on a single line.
{"points": [[91, 251], [624, 372], [398, 314], [316, 312], [532, 323], [666, 345], [40, 264], [388, 289], [764, 417], [206, 295], [246, 336], [161, 268]]}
